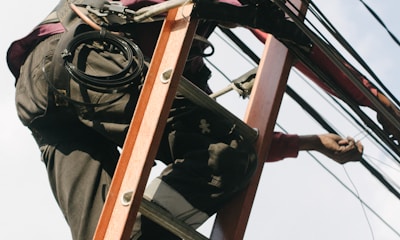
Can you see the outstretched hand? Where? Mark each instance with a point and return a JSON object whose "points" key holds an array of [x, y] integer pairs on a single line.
{"points": [[341, 150]]}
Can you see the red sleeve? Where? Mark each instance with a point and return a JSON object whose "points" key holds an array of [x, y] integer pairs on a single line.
{"points": [[283, 146], [260, 35]]}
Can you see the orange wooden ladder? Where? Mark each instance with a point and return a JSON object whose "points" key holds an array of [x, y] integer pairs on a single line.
{"points": [[130, 178]]}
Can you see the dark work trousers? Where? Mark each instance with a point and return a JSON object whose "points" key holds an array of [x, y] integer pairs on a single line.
{"points": [[207, 160]]}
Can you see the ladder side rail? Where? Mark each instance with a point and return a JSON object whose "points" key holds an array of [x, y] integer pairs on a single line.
{"points": [[148, 122], [262, 111], [231, 221]]}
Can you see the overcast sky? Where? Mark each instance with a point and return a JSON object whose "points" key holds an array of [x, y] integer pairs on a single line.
{"points": [[297, 198]]}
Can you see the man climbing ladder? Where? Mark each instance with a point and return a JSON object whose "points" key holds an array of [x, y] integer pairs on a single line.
{"points": [[79, 117]]}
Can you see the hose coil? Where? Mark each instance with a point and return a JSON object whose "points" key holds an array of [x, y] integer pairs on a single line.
{"points": [[113, 83]]}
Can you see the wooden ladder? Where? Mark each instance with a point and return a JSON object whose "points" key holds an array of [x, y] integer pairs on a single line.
{"points": [[139, 151]]}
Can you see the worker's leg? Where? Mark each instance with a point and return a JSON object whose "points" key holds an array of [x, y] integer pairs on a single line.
{"points": [[80, 164], [80, 161]]}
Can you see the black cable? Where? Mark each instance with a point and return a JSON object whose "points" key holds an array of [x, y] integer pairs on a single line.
{"points": [[333, 31], [132, 71], [381, 22], [348, 100], [241, 45], [323, 123], [338, 59], [312, 112], [360, 125]]}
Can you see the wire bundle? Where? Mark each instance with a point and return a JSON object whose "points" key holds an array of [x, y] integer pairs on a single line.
{"points": [[112, 83]]}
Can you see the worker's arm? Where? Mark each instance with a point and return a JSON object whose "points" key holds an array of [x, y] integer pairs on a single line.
{"points": [[339, 149], [342, 150]]}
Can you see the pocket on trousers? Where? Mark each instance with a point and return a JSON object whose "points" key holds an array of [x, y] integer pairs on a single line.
{"points": [[32, 88]]}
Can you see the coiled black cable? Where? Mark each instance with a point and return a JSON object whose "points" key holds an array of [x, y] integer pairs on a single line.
{"points": [[112, 83]]}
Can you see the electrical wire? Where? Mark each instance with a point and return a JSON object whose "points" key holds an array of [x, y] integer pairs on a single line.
{"points": [[327, 126], [358, 197], [373, 13], [374, 172], [355, 193], [323, 123], [383, 163], [344, 112], [256, 59], [245, 52], [339, 60], [132, 70], [387, 177], [378, 176], [362, 205], [335, 33]]}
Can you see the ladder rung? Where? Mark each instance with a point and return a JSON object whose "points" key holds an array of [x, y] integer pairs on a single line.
{"points": [[193, 93], [163, 218]]}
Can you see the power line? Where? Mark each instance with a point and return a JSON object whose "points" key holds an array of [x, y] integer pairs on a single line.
{"points": [[315, 115], [355, 122], [375, 15], [341, 63]]}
